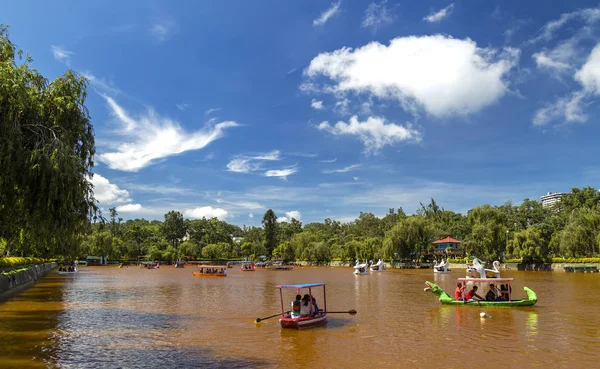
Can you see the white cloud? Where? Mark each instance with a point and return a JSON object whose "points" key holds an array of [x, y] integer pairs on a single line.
{"points": [[156, 188], [342, 107], [251, 216], [377, 15], [151, 137], [162, 29], [182, 106], [318, 105], [247, 164], [206, 212], [61, 54], [356, 178], [211, 110], [374, 132], [101, 84], [568, 108], [589, 74], [106, 192], [289, 215], [129, 208], [544, 61], [587, 16], [281, 173], [342, 170], [443, 75], [328, 161], [439, 15], [327, 14]]}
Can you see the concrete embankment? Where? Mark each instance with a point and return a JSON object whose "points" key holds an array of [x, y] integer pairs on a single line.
{"points": [[12, 284]]}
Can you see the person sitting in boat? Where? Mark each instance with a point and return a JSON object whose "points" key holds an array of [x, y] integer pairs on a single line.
{"points": [[296, 306], [493, 294], [504, 292], [305, 307], [315, 307], [472, 294], [458, 292]]}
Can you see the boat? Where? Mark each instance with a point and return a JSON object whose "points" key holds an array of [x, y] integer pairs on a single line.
{"points": [[361, 269], [279, 266], [247, 266], [379, 266], [477, 270], [180, 264], [67, 269], [229, 265], [446, 299], [292, 319], [442, 267], [149, 265], [211, 271]]}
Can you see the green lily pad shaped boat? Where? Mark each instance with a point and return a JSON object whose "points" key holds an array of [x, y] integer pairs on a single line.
{"points": [[445, 299]]}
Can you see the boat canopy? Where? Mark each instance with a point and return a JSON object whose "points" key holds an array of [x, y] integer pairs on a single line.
{"points": [[488, 280], [213, 266], [302, 285]]}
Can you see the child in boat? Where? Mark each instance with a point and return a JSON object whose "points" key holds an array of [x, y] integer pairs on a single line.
{"points": [[296, 306], [472, 294], [458, 292], [315, 307]]}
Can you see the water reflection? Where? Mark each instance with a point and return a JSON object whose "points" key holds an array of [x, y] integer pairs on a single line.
{"points": [[108, 317]]}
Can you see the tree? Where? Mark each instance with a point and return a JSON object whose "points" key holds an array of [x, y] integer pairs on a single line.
{"points": [[174, 227], [527, 244], [269, 223], [488, 232], [47, 148]]}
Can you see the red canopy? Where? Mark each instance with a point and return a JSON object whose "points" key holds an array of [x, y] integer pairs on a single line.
{"points": [[447, 240]]}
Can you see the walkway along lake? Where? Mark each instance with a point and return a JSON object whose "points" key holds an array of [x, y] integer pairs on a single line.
{"points": [[105, 317]]}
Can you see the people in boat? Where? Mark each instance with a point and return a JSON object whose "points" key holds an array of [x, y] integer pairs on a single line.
{"points": [[472, 294], [458, 292], [493, 294], [305, 307], [504, 292], [296, 304], [315, 307]]}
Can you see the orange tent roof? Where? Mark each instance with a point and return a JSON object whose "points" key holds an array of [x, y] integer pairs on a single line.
{"points": [[447, 240]]}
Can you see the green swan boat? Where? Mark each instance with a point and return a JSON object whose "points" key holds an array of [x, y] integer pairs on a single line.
{"points": [[445, 299]]}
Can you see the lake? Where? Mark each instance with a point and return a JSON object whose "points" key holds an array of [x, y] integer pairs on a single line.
{"points": [[106, 317]]}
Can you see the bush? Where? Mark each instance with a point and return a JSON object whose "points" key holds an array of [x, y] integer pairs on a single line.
{"points": [[17, 261], [576, 260], [512, 260], [14, 271]]}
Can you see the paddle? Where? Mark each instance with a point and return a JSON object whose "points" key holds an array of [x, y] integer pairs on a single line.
{"points": [[351, 312], [258, 320]]}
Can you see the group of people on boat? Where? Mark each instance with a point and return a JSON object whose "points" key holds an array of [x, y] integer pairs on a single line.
{"points": [[66, 268], [213, 270], [302, 306], [493, 293]]}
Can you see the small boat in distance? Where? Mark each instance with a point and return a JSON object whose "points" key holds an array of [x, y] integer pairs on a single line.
{"points": [[314, 316], [442, 267], [446, 299], [211, 271], [67, 269], [361, 269], [149, 265], [379, 266], [247, 266], [180, 264]]}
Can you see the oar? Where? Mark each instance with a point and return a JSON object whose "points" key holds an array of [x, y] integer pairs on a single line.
{"points": [[351, 312], [258, 320]]}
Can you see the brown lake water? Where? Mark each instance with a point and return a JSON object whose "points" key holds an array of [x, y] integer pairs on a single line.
{"points": [[105, 317]]}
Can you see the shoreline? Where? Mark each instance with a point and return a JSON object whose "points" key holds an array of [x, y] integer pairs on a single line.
{"points": [[13, 284]]}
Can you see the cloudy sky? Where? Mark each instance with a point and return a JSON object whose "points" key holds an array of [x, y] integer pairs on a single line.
{"points": [[323, 109]]}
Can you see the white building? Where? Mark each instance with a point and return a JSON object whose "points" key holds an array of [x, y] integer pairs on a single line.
{"points": [[551, 198]]}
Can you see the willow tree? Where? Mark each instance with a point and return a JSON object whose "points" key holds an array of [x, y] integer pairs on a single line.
{"points": [[46, 153]]}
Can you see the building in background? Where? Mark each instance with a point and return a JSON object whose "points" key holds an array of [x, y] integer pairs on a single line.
{"points": [[551, 198]]}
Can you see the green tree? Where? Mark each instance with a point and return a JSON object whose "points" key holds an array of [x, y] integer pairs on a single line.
{"points": [[488, 232], [174, 227], [47, 148], [269, 223], [527, 244]]}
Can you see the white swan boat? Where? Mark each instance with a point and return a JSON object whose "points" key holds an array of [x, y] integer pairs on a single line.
{"points": [[379, 266], [477, 270], [442, 267], [361, 269]]}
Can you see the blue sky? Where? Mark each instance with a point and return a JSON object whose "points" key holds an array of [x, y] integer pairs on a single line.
{"points": [[323, 109]]}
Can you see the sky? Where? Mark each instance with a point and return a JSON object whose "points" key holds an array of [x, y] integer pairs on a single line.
{"points": [[325, 109]]}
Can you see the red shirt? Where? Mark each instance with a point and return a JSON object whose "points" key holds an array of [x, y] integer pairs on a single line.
{"points": [[458, 293], [470, 294]]}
